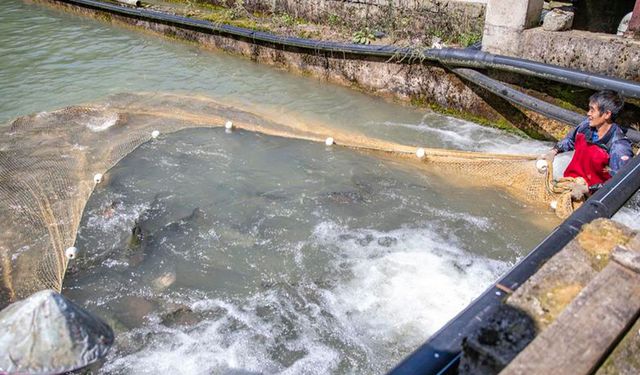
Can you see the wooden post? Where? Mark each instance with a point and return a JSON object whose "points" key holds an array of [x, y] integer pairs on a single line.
{"points": [[634, 24]]}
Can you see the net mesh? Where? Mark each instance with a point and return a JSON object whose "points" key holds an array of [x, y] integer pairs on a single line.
{"points": [[48, 162]]}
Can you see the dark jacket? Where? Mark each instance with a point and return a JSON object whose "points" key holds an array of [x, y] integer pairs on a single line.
{"points": [[614, 142]]}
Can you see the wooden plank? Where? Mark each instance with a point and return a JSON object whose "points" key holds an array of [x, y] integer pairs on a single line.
{"points": [[625, 359], [587, 329]]}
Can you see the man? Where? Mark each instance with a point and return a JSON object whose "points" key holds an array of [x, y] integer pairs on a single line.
{"points": [[601, 148]]}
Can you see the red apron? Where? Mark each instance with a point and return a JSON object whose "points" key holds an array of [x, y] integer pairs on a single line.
{"points": [[589, 162]]}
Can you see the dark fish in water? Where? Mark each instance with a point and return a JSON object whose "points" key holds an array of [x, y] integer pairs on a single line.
{"points": [[153, 249], [48, 334], [148, 220], [348, 197]]}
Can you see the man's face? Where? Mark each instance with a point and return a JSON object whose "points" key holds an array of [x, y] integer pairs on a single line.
{"points": [[597, 118]]}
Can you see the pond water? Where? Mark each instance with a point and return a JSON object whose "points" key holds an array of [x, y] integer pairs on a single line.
{"points": [[216, 252]]}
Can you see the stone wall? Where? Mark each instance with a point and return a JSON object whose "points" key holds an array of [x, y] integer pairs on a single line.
{"points": [[606, 54], [445, 16]]}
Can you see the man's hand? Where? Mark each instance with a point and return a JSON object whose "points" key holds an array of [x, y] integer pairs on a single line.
{"points": [[579, 189]]}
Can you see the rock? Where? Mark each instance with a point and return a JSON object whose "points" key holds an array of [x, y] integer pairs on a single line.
{"points": [[557, 20], [48, 334], [491, 347]]}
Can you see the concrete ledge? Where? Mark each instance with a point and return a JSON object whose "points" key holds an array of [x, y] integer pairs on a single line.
{"points": [[592, 52]]}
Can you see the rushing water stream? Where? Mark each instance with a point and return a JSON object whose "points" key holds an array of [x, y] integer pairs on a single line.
{"points": [[259, 254]]}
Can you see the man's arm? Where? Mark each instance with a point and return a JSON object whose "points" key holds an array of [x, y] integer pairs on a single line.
{"points": [[620, 154]]}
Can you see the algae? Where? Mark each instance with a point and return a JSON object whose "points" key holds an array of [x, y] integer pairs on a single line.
{"points": [[599, 238], [556, 299]]}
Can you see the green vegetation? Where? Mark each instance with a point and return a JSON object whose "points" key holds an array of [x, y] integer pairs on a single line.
{"points": [[288, 19], [309, 34], [468, 39], [411, 28], [334, 20], [364, 36], [228, 18]]}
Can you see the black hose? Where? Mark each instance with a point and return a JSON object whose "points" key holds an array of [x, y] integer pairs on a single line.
{"points": [[442, 351], [529, 102], [456, 57]]}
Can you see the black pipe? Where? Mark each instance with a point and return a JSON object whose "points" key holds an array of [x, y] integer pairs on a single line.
{"points": [[529, 102], [442, 351], [519, 98], [477, 59], [448, 56]]}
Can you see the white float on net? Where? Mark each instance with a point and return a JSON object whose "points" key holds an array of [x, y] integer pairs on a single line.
{"points": [[155, 134], [554, 205], [71, 252], [228, 125], [329, 141], [542, 165], [97, 178], [420, 153]]}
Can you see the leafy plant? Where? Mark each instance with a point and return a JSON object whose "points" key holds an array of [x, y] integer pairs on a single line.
{"points": [[287, 19], [334, 19], [364, 36], [467, 39]]}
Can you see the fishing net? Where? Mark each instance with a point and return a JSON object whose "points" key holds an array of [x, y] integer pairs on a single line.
{"points": [[48, 162]]}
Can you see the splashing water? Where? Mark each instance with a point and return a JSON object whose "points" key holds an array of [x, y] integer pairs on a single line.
{"points": [[289, 258]]}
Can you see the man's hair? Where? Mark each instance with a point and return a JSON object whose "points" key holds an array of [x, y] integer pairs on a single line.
{"points": [[608, 100]]}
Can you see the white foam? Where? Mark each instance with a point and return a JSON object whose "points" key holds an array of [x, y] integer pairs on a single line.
{"points": [[479, 222], [389, 291], [115, 218], [102, 123], [239, 338], [401, 294], [465, 135]]}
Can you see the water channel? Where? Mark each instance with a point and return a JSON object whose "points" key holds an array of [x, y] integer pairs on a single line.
{"points": [[260, 254]]}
